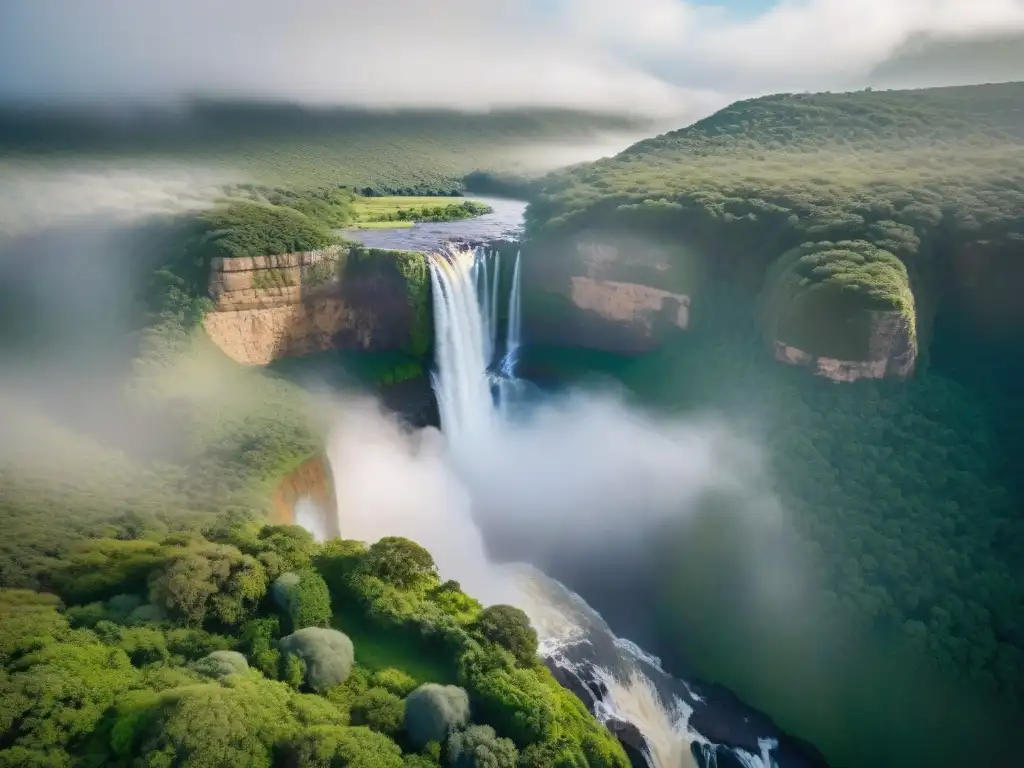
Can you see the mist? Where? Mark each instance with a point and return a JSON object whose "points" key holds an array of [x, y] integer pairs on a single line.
{"points": [[668, 527], [652, 57]]}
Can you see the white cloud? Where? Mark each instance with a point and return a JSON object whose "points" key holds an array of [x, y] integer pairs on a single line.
{"points": [[648, 55]]}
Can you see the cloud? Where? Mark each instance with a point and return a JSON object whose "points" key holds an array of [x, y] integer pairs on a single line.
{"points": [[655, 56]]}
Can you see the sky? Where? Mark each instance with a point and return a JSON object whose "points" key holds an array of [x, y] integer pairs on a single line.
{"points": [[649, 56]]}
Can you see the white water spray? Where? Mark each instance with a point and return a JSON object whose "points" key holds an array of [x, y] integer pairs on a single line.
{"points": [[465, 286]]}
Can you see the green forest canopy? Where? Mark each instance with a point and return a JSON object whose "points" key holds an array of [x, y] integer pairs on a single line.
{"points": [[916, 173], [904, 497], [164, 650], [407, 152]]}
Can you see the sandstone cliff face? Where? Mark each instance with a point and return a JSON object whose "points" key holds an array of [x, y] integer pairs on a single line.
{"points": [[310, 481], [892, 353], [266, 308], [603, 294]]}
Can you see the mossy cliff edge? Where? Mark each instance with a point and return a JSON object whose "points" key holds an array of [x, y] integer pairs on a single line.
{"points": [[340, 297]]}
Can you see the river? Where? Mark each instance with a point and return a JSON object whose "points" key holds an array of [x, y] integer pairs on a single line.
{"points": [[505, 222]]}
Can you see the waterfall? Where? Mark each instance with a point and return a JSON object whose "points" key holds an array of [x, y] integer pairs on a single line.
{"points": [[472, 384], [464, 334], [512, 335]]}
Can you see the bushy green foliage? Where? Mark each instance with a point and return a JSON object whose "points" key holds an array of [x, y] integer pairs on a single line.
{"points": [[433, 711], [221, 664], [479, 747], [394, 680], [452, 212], [138, 689], [379, 709], [338, 747], [258, 640], [304, 598], [823, 297], [247, 228], [213, 582], [328, 655], [399, 562], [510, 628]]}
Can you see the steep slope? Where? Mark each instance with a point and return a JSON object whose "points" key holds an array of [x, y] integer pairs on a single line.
{"points": [[933, 178]]}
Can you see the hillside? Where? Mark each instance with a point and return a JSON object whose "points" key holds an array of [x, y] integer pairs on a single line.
{"points": [[811, 225], [405, 151], [932, 177]]}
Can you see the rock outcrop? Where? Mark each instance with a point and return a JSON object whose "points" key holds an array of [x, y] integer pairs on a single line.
{"points": [[610, 294], [269, 307], [844, 309], [310, 481], [891, 353]]}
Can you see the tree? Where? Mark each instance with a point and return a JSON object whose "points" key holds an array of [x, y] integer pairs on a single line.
{"points": [[221, 664], [380, 710], [304, 597], [211, 582], [327, 746], [510, 628], [400, 562], [479, 747]]}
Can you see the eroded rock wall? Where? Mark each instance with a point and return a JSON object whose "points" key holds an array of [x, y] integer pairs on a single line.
{"points": [[310, 481], [614, 295], [892, 353], [270, 307]]}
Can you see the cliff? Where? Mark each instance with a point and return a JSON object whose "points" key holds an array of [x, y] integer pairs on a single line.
{"points": [[310, 481], [924, 184], [603, 292], [295, 304]]}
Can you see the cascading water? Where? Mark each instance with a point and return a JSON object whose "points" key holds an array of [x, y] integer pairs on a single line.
{"points": [[474, 383]]}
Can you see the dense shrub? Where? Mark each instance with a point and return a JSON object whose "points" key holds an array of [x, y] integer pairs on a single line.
{"points": [[479, 747], [221, 664], [380, 710], [208, 583], [400, 562], [304, 598], [510, 628], [433, 711], [327, 746], [395, 680], [327, 653]]}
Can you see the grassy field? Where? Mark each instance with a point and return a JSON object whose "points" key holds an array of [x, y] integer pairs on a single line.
{"points": [[376, 649], [371, 212]]}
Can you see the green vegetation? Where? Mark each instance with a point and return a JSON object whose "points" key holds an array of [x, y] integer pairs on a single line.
{"points": [[823, 297], [924, 175], [378, 212], [198, 673], [259, 221], [805, 216], [901, 514], [410, 152]]}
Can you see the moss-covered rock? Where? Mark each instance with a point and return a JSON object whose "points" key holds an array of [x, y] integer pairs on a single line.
{"points": [[842, 301], [433, 711]]}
